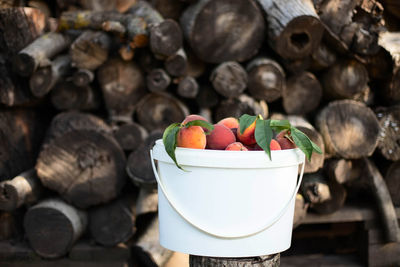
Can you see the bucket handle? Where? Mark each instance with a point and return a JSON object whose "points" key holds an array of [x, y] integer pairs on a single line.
{"points": [[202, 228]]}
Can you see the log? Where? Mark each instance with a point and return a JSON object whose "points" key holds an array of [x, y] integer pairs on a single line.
{"points": [[389, 137], [107, 5], [169, 9], [130, 135], [39, 52], [229, 79], [294, 28], [213, 36], [295, 66], [323, 57], [302, 93], [317, 160], [344, 171], [157, 80], [266, 79], [126, 52], [138, 165], [24, 189], [382, 197], [177, 64], [236, 107], [207, 97], [147, 61], [85, 167], [159, 110], [68, 96], [147, 201], [66, 122], [44, 79], [300, 210], [346, 79], [41, 5], [8, 227], [392, 179], [315, 188], [82, 77], [16, 36], [166, 38], [188, 87], [195, 66], [349, 128], [260, 261], [21, 133], [53, 226], [90, 50], [122, 84], [112, 223]]}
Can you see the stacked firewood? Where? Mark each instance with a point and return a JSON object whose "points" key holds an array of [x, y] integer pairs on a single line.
{"points": [[86, 87]]}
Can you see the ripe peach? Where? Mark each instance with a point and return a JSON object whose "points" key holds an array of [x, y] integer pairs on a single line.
{"points": [[282, 134], [193, 117], [274, 145], [192, 137], [236, 146], [220, 137], [230, 122], [247, 137], [285, 143]]}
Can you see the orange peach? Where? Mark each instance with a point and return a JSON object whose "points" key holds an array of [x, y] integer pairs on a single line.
{"points": [[247, 137], [193, 117], [232, 123], [274, 145], [220, 137], [236, 146], [192, 137]]}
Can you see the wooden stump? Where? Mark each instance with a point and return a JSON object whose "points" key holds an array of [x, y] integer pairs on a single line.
{"points": [[53, 226], [349, 128], [294, 28], [112, 223], [84, 166], [302, 93], [260, 261], [24, 189], [227, 22], [159, 110], [266, 79], [229, 79]]}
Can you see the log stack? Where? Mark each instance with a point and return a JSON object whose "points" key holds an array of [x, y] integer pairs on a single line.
{"points": [[86, 87]]}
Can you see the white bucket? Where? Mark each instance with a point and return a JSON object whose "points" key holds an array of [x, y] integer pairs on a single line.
{"points": [[226, 203]]}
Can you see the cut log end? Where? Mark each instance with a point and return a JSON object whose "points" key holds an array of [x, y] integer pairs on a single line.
{"points": [[24, 64], [176, 65], [188, 87], [157, 80], [229, 79], [41, 81], [166, 38]]}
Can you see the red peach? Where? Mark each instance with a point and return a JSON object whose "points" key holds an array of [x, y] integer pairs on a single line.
{"points": [[232, 123], [274, 145], [192, 137], [220, 137], [285, 143], [247, 137], [236, 146], [193, 117]]}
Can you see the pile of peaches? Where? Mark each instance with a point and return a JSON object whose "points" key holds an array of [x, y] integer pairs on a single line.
{"points": [[226, 135]]}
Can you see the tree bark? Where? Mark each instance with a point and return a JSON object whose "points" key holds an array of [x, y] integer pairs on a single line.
{"points": [[392, 179], [157, 80], [53, 226], [294, 28], [112, 223], [260, 261], [302, 93], [44, 79], [349, 128], [122, 84], [85, 167], [159, 110], [229, 79], [68, 96], [130, 136], [90, 50], [213, 36], [389, 137], [24, 189], [39, 52], [188, 87], [266, 79]]}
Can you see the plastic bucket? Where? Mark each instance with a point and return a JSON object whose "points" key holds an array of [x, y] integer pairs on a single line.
{"points": [[226, 203]]}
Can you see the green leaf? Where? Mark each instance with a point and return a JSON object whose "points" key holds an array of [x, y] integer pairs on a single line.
{"points": [[263, 135], [302, 141], [169, 140], [201, 123], [245, 121], [280, 125], [316, 147]]}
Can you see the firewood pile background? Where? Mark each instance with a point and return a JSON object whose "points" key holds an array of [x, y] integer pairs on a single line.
{"points": [[86, 87]]}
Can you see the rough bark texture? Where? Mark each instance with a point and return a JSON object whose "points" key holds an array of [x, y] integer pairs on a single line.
{"points": [[212, 29], [53, 226], [294, 28], [84, 166], [229, 79], [260, 261], [24, 189], [349, 128]]}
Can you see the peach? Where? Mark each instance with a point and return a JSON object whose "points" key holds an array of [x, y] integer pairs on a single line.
{"points": [[192, 137], [282, 134], [193, 117], [230, 122], [285, 143], [274, 145], [220, 137], [236, 146], [247, 137]]}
